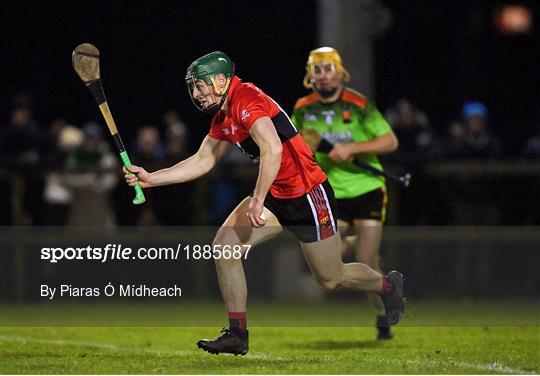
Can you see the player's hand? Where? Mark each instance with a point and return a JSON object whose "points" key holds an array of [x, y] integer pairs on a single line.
{"points": [[341, 153], [311, 137], [136, 175], [255, 213]]}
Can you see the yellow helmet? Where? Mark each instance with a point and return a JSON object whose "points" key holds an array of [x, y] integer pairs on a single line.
{"points": [[327, 55]]}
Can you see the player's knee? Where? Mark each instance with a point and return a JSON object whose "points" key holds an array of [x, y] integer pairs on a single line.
{"points": [[330, 284], [223, 255], [224, 237]]}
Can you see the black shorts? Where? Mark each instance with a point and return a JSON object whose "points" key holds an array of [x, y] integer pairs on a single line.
{"points": [[310, 217], [370, 205]]}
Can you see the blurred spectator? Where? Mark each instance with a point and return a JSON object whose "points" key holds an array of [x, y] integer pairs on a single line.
{"points": [[472, 203], [229, 188], [148, 148], [21, 186], [454, 141], [177, 137], [411, 126], [92, 173], [62, 140], [473, 139], [416, 147], [174, 204], [473, 198]]}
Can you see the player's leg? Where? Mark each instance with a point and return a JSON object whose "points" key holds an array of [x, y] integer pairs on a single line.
{"points": [[346, 244], [325, 263], [237, 231], [344, 211], [322, 245], [324, 260], [368, 242], [367, 245]]}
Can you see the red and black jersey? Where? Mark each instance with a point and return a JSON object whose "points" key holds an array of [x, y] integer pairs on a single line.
{"points": [[299, 172]]}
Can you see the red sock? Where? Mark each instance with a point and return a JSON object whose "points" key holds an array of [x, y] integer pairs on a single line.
{"points": [[238, 322], [386, 286]]}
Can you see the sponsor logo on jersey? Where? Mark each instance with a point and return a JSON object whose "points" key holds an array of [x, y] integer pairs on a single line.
{"points": [[245, 114], [329, 116], [324, 221], [325, 226], [310, 117], [337, 137]]}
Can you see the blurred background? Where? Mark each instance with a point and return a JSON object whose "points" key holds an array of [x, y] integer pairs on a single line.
{"points": [[457, 81]]}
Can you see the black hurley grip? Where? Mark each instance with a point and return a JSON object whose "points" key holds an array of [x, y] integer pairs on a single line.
{"points": [[326, 147], [118, 142]]}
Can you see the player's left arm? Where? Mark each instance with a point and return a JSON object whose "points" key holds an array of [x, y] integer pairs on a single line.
{"points": [[265, 136], [384, 140], [379, 145]]}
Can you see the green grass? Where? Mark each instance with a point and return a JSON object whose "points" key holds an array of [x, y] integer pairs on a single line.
{"points": [[508, 342]]}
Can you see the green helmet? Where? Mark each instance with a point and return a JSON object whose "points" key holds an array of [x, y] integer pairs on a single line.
{"points": [[206, 68]]}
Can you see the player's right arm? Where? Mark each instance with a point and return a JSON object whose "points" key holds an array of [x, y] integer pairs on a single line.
{"points": [[197, 165]]}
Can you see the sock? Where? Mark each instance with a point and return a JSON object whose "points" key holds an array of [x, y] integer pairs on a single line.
{"points": [[238, 322], [386, 286]]}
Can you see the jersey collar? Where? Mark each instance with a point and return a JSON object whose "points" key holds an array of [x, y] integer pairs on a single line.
{"points": [[235, 83]]}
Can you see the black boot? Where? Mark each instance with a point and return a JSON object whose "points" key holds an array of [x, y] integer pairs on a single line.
{"points": [[383, 328], [394, 302], [227, 342]]}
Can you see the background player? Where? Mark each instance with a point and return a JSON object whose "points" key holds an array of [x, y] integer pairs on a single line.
{"points": [[353, 124], [291, 191]]}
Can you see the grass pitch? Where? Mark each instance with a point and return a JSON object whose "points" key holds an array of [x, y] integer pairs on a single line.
{"points": [[509, 342]]}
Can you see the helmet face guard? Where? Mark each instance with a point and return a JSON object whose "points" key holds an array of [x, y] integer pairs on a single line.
{"points": [[206, 69], [191, 83], [322, 56]]}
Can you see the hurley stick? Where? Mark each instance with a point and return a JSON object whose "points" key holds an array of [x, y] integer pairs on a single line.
{"points": [[85, 60], [316, 143]]}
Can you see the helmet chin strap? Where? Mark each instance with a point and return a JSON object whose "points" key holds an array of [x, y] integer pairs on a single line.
{"points": [[217, 89], [216, 106]]}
